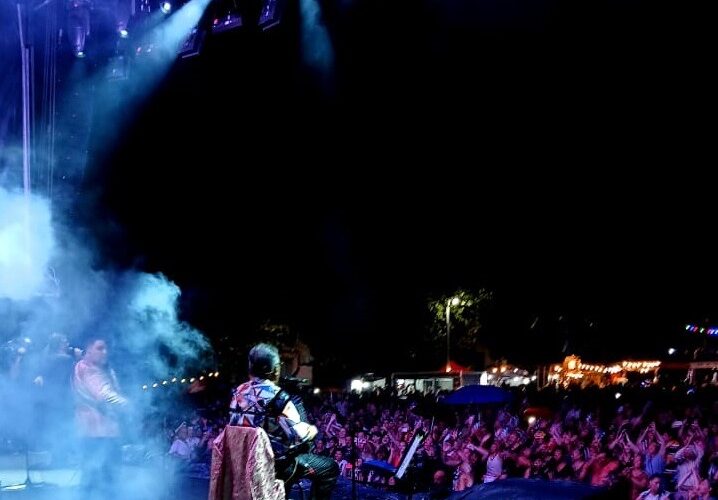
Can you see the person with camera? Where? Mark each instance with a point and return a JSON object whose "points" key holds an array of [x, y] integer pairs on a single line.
{"points": [[689, 459], [260, 402]]}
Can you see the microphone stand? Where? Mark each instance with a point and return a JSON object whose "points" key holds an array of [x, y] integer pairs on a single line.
{"points": [[28, 483]]}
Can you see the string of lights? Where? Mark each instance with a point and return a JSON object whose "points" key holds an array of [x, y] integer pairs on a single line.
{"points": [[700, 329], [174, 380]]}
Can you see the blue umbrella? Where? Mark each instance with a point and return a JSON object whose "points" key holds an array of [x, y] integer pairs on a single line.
{"points": [[477, 395]]}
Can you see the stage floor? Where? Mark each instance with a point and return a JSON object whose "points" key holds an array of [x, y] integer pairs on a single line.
{"points": [[137, 483]]}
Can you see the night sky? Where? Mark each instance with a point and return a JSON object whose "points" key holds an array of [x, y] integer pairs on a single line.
{"points": [[530, 148]]}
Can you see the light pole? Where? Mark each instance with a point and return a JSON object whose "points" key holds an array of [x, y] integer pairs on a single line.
{"points": [[454, 301]]}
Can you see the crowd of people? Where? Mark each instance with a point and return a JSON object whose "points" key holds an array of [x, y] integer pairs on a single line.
{"points": [[646, 444], [191, 440]]}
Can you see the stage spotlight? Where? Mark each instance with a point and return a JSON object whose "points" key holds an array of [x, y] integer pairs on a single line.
{"points": [[271, 14], [165, 7], [192, 44], [78, 25], [228, 21]]}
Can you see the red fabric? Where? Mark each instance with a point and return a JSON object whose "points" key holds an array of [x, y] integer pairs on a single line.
{"points": [[243, 466]]}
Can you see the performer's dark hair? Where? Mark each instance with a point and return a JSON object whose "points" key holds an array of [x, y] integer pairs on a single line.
{"points": [[263, 360]]}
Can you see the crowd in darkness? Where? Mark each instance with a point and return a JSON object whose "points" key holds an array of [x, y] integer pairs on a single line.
{"points": [[643, 442], [648, 443]]}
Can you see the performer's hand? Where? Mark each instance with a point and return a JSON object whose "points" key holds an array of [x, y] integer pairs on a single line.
{"points": [[312, 432], [305, 432]]}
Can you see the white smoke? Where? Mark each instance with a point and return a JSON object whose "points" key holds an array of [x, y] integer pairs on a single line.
{"points": [[27, 243], [50, 281]]}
